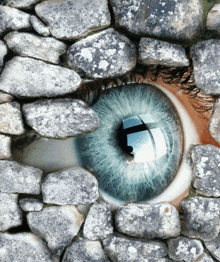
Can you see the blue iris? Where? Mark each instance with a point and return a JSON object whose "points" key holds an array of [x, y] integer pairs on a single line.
{"points": [[137, 150]]}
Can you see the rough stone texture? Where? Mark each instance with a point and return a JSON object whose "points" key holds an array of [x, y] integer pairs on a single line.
{"points": [[11, 119], [184, 249], [27, 77], [124, 249], [23, 4], [98, 224], [213, 247], [74, 186], [30, 204], [74, 19], [155, 52], [5, 147], [84, 250], [44, 48], [213, 19], [5, 97], [105, 54], [206, 173], [76, 118], [174, 20], [214, 124], [17, 178], [56, 225], [10, 212], [201, 218], [38, 26], [148, 221], [3, 52], [23, 247], [205, 258], [13, 19], [206, 62]]}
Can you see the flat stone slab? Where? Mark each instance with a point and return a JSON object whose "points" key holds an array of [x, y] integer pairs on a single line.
{"points": [[5, 147], [38, 26], [45, 118], [213, 19], [11, 119], [13, 19], [18, 178], [22, 246], [201, 218], [56, 225], [23, 4], [148, 221], [73, 19], [30, 204], [206, 173], [124, 249], [3, 52], [74, 186], [213, 247], [84, 250], [11, 214], [45, 48], [214, 123], [156, 52], [206, 65], [185, 249], [175, 19], [105, 54], [98, 224], [28, 77]]}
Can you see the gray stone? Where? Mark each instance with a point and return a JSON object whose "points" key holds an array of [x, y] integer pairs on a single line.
{"points": [[38, 26], [44, 117], [10, 213], [156, 52], [11, 119], [27, 77], [44, 48], [74, 19], [23, 247], [148, 221], [23, 4], [201, 218], [98, 224], [56, 225], [5, 147], [179, 20], [206, 65], [74, 186], [30, 204], [18, 178], [105, 54], [85, 251], [3, 52], [206, 173], [184, 249], [5, 97], [213, 247], [213, 19], [13, 19], [205, 258], [214, 123], [124, 249]]}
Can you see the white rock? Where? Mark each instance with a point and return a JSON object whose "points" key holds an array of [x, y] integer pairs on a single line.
{"points": [[39, 27], [5, 147], [213, 19], [5, 97], [24, 4], [30, 204]]}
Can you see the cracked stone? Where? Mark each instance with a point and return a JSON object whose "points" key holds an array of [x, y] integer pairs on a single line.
{"points": [[30, 204], [38, 26], [5, 147]]}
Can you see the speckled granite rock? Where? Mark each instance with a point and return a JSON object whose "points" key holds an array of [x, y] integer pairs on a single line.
{"points": [[185, 249], [74, 19], [206, 173], [105, 54], [156, 52], [124, 249], [5, 147], [214, 124], [44, 48], [17, 178], [206, 62], [201, 218], [27, 77], [23, 247], [213, 19], [98, 224], [11, 119], [56, 225], [84, 250], [23, 4], [11, 214], [148, 221], [30, 204], [3, 52], [175, 20], [5, 97], [38, 26], [44, 117], [13, 19], [213, 247]]}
